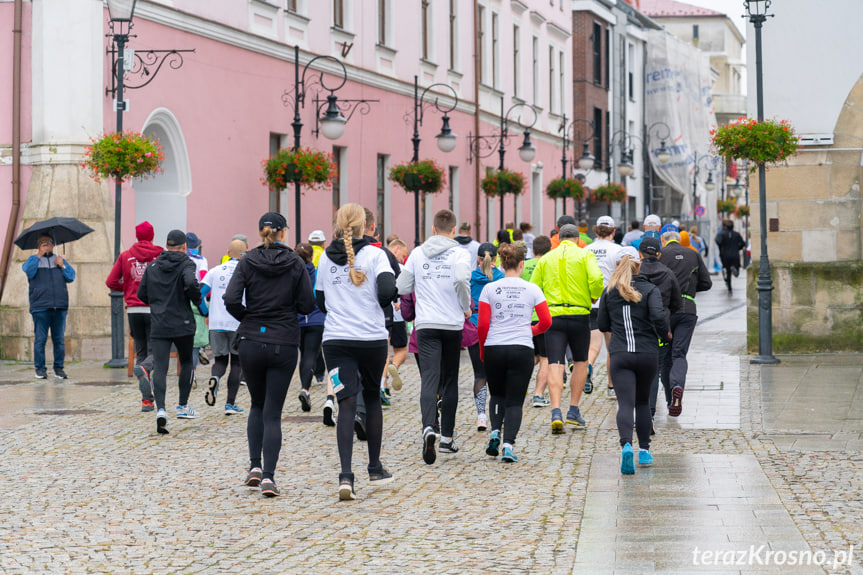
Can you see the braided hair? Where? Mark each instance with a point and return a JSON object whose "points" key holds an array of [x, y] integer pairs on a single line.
{"points": [[351, 220]]}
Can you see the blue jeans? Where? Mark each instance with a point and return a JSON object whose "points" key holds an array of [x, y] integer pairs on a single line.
{"points": [[55, 320]]}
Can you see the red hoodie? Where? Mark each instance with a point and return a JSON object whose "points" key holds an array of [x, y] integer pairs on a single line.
{"points": [[129, 268]]}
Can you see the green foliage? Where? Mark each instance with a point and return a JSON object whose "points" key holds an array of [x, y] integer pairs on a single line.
{"points": [[613, 192], [425, 176], [312, 168], [726, 206], [742, 211], [565, 188], [502, 182], [123, 156], [759, 142]]}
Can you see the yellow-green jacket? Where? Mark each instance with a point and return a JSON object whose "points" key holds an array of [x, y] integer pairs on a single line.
{"points": [[570, 278]]}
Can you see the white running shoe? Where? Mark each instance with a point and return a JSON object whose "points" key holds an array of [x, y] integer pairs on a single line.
{"points": [[481, 422]]}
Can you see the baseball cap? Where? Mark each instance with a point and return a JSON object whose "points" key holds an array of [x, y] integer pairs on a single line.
{"points": [[626, 251], [486, 248], [669, 228], [652, 220], [317, 236], [273, 219], [605, 221], [650, 246], [176, 238], [192, 241]]}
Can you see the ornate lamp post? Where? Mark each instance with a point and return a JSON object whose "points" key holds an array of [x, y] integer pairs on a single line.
{"points": [[586, 161], [699, 163], [484, 146], [663, 155]]}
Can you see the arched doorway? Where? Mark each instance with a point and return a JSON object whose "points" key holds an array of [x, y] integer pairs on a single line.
{"points": [[161, 200]]}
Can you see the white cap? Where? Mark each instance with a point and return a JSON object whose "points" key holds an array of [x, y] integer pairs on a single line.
{"points": [[605, 221], [626, 251], [652, 220], [676, 224], [317, 236]]}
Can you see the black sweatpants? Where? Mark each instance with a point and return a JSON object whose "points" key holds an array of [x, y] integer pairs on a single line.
{"points": [[439, 351], [139, 328], [632, 374], [162, 357], [675, 366], [360, 366], [310, 348], [268, 369], [664, 350], [508, 369]]}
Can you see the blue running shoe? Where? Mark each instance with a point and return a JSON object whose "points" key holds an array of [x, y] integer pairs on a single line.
{"points": [[588, 385], [233, 408], [186, 412], [626, 465], [556, 422], [644, 457], [493, 447], [385, 400], [508, 455], [573, 417]]}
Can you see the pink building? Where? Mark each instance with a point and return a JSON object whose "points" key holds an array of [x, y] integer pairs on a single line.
{"points": [[222, 113]]}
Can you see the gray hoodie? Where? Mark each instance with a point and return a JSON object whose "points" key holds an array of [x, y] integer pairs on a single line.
{"points": [[439, 273]]}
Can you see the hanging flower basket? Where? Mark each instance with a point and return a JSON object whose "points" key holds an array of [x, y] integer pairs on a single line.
{"points": [[123, 156], [565, 188], [726, 206], [424, 176], [312, 168], [759, 142], [609, 193], [742, 211], [502, 183]]}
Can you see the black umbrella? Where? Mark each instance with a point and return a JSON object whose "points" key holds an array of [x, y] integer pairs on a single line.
{"points": [[62, 230]]}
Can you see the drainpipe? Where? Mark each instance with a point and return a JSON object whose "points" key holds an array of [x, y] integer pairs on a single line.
{"points": [[476, 164], [16, 145]]}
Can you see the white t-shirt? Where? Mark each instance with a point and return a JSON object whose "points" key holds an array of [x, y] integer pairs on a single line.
{"points": [[437, 303], [605, 251], [353, 312], [512, 301], [218, 279]]}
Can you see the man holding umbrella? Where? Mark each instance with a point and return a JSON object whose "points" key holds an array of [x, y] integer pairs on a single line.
{"points": [[48, 273]]}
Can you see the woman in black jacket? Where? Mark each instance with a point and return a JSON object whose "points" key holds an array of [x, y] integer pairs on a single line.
{"points": [[730, 243], [276, 287], [631, 309]]}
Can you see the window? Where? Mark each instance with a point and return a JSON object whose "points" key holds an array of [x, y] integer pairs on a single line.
{"points": [[424, 6], [495, 46], [551, 77], [695, 34], [339, 13], [481, 23], [597, 54], [337, 182], [630, 77], [561, 82], [292, 5], [607, 58], [598, 125], [516, 75], [275, 144], [380, 212], [382, 22], [453, 190], [453, 34], [534, 57]]}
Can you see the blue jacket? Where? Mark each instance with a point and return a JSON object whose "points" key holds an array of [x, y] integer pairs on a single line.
{"points": [[48, 283], [479, 280], [317, 317]]}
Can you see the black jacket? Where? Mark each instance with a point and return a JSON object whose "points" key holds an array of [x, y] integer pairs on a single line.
{"points": [[276, 286], [730, 243], [386, 283], [691, 273], [659, 275], [169, 287], [634, 327]]}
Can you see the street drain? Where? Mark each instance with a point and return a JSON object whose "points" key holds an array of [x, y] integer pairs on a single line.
{"points": [[68, 412], [301, 418]]}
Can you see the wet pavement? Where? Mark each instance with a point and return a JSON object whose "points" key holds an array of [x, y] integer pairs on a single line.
{"points": [[762, 466]]}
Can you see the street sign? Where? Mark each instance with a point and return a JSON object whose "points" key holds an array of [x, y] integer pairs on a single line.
{"points": [[699, 210]]}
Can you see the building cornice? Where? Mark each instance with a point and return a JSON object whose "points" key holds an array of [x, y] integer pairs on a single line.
{"points": [[594, 8], [537, 18], [556, 30], [518, 7]]}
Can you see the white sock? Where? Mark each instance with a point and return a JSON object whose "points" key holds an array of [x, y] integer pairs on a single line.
{"points": [[383, 382], [505, 445], [446, 439]]}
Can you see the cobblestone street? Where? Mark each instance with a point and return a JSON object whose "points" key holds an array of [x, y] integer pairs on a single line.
{"points": [[760, 456]]}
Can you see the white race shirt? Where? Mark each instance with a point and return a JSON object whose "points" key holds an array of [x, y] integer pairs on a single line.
{"points": [[511, 301], [605, 251], [353, 312], [218, 279]]}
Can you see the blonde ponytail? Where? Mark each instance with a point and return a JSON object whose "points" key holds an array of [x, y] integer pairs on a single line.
{"points": [[268, 236], [350, 220], [485, 265], [621, 279]]}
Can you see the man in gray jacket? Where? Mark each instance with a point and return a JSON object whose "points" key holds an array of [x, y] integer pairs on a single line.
{"points": [[439, 273]]}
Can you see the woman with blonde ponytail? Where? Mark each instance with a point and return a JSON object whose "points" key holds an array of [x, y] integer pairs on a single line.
{"points": [[354, 284], [631, 310]]}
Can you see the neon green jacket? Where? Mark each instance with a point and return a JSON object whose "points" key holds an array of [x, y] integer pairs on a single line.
{"points": [[570, 278]]}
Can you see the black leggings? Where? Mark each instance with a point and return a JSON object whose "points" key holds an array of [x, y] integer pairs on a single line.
{"points": [[439, 350], [360, 366], [220, 366], [632, 374], [509, 368], [268, 369], [310, 348], [161, 359]]}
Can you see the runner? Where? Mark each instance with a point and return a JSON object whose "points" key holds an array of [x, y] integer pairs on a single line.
{"points": [[605, 250], [505, 340], [355, 283], [631, 310], [483, 275], [269, 287]]}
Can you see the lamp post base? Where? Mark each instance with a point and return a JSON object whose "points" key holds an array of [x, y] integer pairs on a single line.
{"points": [[117, 334], [764, 359]]}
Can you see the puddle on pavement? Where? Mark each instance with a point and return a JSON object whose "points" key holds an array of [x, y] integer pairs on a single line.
{"points": [[68, 412]]}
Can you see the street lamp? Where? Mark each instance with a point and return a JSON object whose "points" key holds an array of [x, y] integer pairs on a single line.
{"points": [[699, 163], [526, 152], [663, 155], [585, 162], [756, 10], [446, 139]]}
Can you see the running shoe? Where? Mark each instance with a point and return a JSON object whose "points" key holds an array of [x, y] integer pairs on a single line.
{"points": [[626, 465], [194, 380], [379, 476], [143, 381], [556, 422], [147, 405], [305, 400], [269, 488], [736, 271], [481, 422], [397, 379], [540, 401], [676, 401], [508, 456], [385, 401], [212, 391], [59, 373], [253, 477], [448, 446], [429, 438], [329, 421], [186, 412], [573, 417], [41, 374], [644, 457], [588, 384], [346, 487], [610, 393], [360, 428], [202, 357], [162, 421], [233, 408], [493, 447]]}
